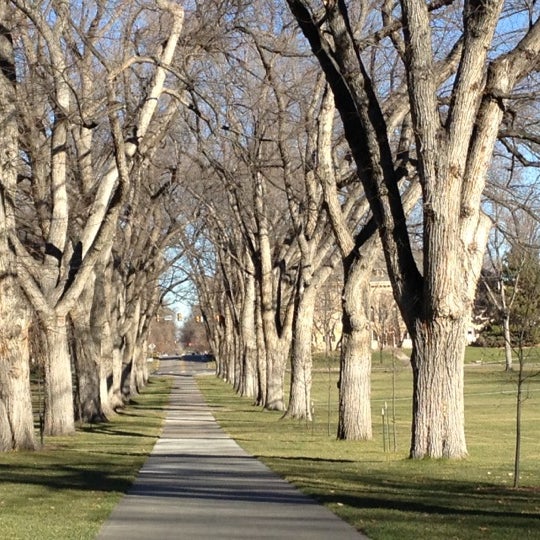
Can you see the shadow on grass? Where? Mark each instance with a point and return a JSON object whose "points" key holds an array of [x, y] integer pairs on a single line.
{"points": [[300, 459], [111, 429], [418, 507], [149, 404], [65, 477], [385, 491]]}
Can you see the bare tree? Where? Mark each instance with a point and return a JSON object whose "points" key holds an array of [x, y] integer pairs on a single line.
{"points": [[16, 420], [59, 45], [455, 122], [524, 263], [241, 152], [496, 285]]}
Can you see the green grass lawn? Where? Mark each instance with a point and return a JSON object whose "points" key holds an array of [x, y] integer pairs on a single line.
{"points": [[67, 489], [385, 494]]}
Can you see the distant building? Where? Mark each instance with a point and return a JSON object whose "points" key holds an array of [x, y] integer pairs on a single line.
{"points": [[163, 332], [387, 326]]}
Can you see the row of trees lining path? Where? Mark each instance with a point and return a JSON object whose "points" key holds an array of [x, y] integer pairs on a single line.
{"points": [[253, 149], [83, 117], [417, 120]]}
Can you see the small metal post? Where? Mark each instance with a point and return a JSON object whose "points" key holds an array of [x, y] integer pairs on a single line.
{"points": [[383, 431]]}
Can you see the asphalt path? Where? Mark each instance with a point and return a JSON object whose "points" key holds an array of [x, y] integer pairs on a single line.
{"points": [[199, 484]]}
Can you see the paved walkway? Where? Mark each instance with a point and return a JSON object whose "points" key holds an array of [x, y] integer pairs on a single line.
{"points": [[199, 484]]}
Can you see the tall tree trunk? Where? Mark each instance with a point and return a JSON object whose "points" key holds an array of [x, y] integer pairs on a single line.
{"points": [[438, 405], [237, 355], [355, 362], [115, 340], [87, 352], [507, 342], [228, 356], [218, 346], [276, 346], [106, 370], [276, 310], [140, 364], [115, 389], [249, 341], [301, 362], [127, 372], [87, 372], [59, 413], [101, 321], [16, 421], [276, 360], [118, 343], [128, 363], [261, 356]]}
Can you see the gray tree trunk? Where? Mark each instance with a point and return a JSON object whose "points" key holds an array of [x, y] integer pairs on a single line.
{"points": [[16, 421], [276, 361], [87, 371], [355, 362], [507, 342], [115, 315], [140, 364], [101, 320], [249, 341], [128, 357], [438, 407], [59, 409], [132, 342], [301, 363], [115, 379], [227, 350], [106, 370], [87, 351], [115, 388], [261, 355]]}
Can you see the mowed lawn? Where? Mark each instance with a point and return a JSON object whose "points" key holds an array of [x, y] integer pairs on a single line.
{"points": [[385, 494], [67, 489]]}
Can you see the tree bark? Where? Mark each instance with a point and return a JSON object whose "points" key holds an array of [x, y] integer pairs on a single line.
{"points": [[16, 421], [357, 257], [261, 355], [276, 361], [507, 341], [228, 351], [249, 339], [86, 352], [106, 370], [276, 322], [438, 406], [59, 410], [115, 388], [452, 160], [86, 349], [128, 355], [301, 363], [87, 370], [103, 300], [117, 340], [355, 361], [141, 365], [127, 371]]}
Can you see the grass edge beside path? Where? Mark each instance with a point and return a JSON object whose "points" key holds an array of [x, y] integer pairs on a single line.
{"points": [[386, 495], [68, 489]]}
